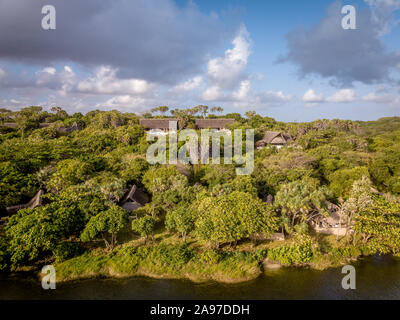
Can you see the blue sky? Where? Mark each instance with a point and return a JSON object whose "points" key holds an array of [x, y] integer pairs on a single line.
{"points": [[287, 59]]}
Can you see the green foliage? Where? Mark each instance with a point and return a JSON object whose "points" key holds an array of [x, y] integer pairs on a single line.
{"points": [[300, 199], [4, 255], [233, 217], [69, 172], [144, 225], [214, 175], [134, 171], [299, 252], [341, 181], [379, 226], [67, 250], [110, 221], [164, 178], [33, 232], [180, 220]]}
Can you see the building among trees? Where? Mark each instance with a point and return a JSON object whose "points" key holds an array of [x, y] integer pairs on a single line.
{"points": [[35, 202], [274, 138], [134, 199]]}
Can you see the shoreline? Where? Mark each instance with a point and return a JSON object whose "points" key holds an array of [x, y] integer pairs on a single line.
{"points": [[194, 278], [263, 269]]}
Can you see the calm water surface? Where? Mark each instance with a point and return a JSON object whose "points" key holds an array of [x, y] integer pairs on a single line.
{"points": [[377, 278]]}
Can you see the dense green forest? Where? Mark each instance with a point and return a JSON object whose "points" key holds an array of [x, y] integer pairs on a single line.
{"points": [[208, 223]]}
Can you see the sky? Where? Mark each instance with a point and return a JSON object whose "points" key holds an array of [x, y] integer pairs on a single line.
{"points": [[288, 59]]}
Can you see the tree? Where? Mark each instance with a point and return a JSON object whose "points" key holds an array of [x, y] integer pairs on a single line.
{"points": [[144, 226], [233, 217], [69, 172], [164, 178], [32, 233], [360, 199], [379, 226], [301, 200], [184, 116], [160, 109], [250, 114], [203, 110], [180, 220], [214, 175], [341, 181], [108, 222], [217, 109], [59, 112]]}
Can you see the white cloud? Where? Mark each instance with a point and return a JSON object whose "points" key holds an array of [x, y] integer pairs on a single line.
{"points": [[62, 81], [342, 96], [392, 100], [262, 100], [2, 73], [311, 97], [372, 97], [189, 85], [226, 71], [244, 89], [124, 102], [212, 93], [105, 81], [49, 70], [278, 96]]}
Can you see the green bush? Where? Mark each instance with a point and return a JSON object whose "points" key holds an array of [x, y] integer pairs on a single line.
{"points": [[210, 256], [296, 253], [4, 255], [67, 250], [346, 252]]}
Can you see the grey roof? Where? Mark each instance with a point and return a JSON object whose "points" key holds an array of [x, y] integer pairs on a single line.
{"points": [[14, 125], [36, 201], [74, 127], [10, 125], [136, 196], [275, 138], [213, 123], [156, 123]]}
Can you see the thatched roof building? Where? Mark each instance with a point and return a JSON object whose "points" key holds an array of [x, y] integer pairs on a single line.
{"points": [[213, 123], [161, 124], [36, 201], [134, 199], [12, 125], [74, 127], [274, 138]]}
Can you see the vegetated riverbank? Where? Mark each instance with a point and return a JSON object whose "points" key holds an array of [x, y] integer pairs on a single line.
{"points": [[226, 265], [377, 278]]}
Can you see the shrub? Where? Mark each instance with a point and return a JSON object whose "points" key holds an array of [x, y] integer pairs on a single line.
{"points": [[296, 253], [67, 250]]}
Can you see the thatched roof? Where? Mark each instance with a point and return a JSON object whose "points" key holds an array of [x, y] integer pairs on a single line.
{"points": [[333, 220], [74, 127], [10, 125], [162, 124], [134, 199], [14, 125], [213, 123], [36, 201], [274, 138], [268, 199]]}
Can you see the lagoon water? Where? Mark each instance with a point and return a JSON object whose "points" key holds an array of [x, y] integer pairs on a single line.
{"points": [[377, 278]]}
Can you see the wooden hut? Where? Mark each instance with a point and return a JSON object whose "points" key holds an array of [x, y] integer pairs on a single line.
{"points": [[156, 124], [334, 223], [274, 138], [74, 127], [36, 201], [213, 123], [134, 199]]}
